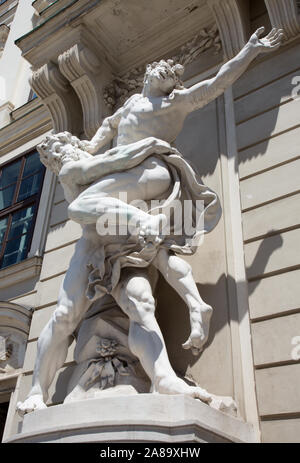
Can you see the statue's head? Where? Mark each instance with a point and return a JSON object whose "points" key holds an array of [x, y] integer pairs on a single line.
{"points": [[165, 75], [59, 148]]}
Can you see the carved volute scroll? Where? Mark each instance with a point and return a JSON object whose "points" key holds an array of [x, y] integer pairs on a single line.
{"points": [[57, 94], [87, 75], [231, 24], [14, 329], [284, 14]]}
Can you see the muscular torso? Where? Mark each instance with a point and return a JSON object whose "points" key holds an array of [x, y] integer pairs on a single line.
{"points": [[160, 117], [138, 119]]}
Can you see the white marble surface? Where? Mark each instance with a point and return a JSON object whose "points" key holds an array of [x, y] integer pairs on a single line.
{"points": [[142, 418], [142, 166]]}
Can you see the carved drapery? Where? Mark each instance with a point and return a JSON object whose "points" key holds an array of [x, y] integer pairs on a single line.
{"points": [[231, 21], [55, 92], [83, 69], [284, 14]]}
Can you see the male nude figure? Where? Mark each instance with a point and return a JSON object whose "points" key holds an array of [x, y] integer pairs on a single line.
{"points": [[159, 111]]}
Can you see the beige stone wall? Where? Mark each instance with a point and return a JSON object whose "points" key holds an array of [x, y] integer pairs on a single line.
{"points": [[268, 136]]}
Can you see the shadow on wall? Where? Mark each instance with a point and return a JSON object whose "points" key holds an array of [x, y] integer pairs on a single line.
{"points": [[256, 118], [173, 316]]}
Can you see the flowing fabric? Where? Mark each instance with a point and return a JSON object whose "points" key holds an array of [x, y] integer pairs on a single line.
{"points": [[204, 209]]}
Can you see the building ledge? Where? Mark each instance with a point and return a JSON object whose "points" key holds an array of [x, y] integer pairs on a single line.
{"points": [[29, 121], [25, 109], [24, 270]]}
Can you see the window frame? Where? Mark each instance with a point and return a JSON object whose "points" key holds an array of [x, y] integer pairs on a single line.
{"points": [[19, 205]]}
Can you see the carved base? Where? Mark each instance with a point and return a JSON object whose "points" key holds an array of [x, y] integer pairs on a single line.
{"points": [[135, 418]]}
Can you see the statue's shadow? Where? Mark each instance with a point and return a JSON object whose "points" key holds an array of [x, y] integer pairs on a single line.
{"points": [[173, 316]]}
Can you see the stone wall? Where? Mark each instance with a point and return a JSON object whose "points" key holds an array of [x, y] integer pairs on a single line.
{"points": [[268, 134]]}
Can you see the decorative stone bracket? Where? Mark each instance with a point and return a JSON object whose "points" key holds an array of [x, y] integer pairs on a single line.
{"points": [[231, 21], [87, 75], [4, 31], [284, 14], [14, 328], [57, 95]]}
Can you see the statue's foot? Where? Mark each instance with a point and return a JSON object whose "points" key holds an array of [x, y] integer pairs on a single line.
{"points": [[200, 330], [174, 385], [152, 229], [224, 404], [33, 402]]}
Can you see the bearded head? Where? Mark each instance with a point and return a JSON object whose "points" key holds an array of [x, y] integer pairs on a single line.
{"points": [[59, 148]]}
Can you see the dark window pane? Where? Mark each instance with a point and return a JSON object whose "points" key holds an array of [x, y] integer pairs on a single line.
{"points": [[32, 164], [10, 174], [21, 222], [3, 225], [7, 196], [15, 250], [30, 186]]}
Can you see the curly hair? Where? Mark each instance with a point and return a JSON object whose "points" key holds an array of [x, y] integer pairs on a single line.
{"points": [[52, 157], [176, 70]]}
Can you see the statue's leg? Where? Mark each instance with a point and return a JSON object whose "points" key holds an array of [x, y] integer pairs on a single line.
{"points": [[55, 338], [134, 296], [178, 274]]}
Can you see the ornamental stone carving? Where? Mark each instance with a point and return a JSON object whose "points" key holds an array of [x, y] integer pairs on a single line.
{"points": [[231, 25], [14, 329], [58, 96], [87, 75]]}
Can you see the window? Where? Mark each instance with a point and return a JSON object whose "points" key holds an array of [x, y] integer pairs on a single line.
{"points": [[32, 95], [20, 188]]}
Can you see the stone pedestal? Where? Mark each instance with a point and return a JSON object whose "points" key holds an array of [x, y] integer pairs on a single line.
{"points": [[135, 418]]}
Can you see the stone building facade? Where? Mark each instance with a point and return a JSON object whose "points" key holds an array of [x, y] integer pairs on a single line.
{"points": [[82, 59]]}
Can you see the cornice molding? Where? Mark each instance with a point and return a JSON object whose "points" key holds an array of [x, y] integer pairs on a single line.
{"points": [[24, 270], [32, 124]]}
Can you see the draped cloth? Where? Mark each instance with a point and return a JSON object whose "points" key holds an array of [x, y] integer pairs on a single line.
{"points": [[203, 207]]}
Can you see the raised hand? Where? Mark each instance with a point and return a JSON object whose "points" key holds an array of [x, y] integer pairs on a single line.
{"points": [[269, 43]]}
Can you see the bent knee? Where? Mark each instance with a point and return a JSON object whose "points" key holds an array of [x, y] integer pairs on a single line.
{"points": [[64, 321]]}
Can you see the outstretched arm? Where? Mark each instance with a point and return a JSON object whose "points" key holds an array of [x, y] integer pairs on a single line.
{"points": [[202, 93]]}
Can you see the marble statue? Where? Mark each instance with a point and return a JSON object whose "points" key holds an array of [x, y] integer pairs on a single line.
{"points": [[143, 166]]}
